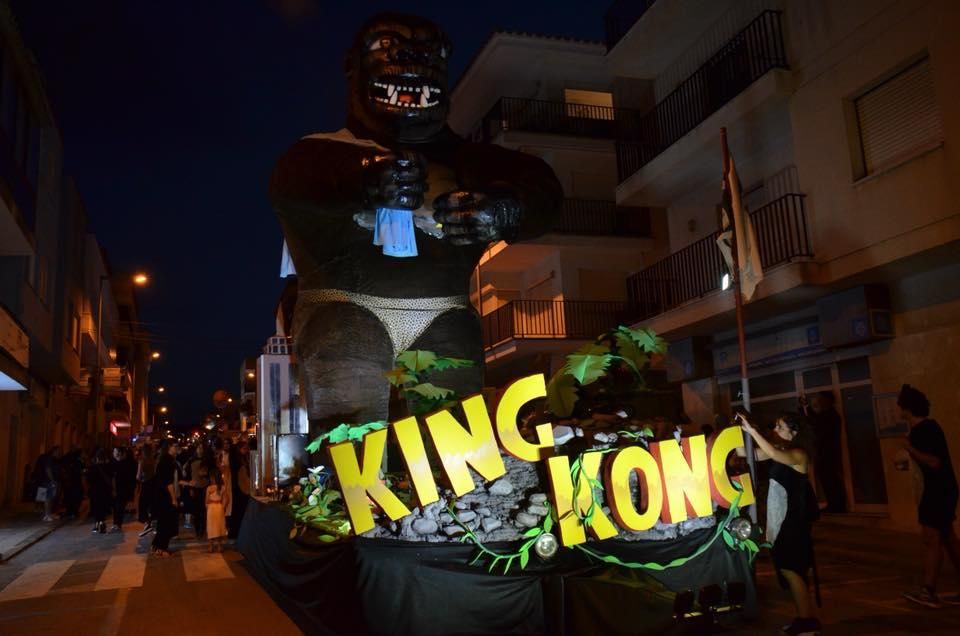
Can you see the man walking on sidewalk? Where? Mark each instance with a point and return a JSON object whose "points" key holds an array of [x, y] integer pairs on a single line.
{"points": [[927, 446], [125, 483]]}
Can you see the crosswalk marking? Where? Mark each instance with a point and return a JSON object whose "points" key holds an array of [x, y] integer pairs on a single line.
{"points": [[204, 566], [125, 570], [35, 581]]}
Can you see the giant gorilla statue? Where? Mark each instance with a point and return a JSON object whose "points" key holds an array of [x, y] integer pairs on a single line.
{"points": [[357, 306]]}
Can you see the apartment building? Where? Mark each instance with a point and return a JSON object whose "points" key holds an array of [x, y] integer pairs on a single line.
{"points": [[52, 274], [843, 124], [553, 97]]}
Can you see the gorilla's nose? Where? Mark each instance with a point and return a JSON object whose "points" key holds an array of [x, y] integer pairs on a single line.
{"points": [[413, 55]]}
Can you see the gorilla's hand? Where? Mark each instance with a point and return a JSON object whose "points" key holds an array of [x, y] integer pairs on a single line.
{"points": [[394, 181], [477, 217]]}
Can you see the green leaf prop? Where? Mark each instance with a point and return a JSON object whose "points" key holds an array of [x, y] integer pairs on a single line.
{"points": [[588, 364], [428, 390], [630, 350], [400, 376], [342, 433], [442, 364], [561, 394], [646, 339], [417, 361]]}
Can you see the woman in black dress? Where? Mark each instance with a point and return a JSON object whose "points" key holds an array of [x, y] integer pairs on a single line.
{"points": [[791, 510], [100, 488]]}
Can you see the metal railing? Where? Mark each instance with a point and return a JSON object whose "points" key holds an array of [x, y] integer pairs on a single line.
{"points": [[620, 18], [750, 54], [698, 269], [545, 319], [602, 218], [558, 118]]}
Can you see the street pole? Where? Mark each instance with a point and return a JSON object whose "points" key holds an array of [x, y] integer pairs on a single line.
{"points": [[741, 337]]}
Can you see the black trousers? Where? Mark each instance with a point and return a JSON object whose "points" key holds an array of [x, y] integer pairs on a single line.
{"points": [[167, 516], [120, 507], [145, 501], [198, 508]]}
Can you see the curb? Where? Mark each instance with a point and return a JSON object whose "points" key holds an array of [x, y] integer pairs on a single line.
{"points": [[32, 539]]}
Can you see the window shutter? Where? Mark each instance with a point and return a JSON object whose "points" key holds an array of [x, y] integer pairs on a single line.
{"points": [[899, 118]]}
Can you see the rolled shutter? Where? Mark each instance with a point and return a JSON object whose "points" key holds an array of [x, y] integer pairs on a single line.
{"points": [[899, 118]]}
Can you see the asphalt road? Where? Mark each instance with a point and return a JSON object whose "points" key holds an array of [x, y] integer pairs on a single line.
{"points": [[77, 583]]}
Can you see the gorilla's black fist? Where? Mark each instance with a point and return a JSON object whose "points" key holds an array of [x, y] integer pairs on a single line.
{"points": [[394, 181], [477, 217]]}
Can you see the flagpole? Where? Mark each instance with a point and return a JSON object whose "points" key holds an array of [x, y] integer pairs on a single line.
{"points": [[741, 338]]}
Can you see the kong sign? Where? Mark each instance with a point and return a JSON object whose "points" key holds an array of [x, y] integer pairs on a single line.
{"points": [[681, 481]]}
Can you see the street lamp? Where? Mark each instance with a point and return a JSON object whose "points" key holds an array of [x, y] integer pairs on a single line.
{"points": [[155, 355], [163, 409], [140, 279], [161, 389]]}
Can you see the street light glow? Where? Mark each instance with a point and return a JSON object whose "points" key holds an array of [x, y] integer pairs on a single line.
{"points": [[140, 279], [161, 389], [229, 400], [251, 374], [155, 355], [163, 409]]}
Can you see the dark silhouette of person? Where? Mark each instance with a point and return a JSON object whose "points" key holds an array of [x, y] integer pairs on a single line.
{"points": [[396, 176], [827, 428]]}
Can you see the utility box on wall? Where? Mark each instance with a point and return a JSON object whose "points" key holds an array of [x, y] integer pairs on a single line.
{"points": [[689, 359], [855, 316]]}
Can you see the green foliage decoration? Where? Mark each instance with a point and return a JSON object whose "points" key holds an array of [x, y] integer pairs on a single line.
{"points": [[521, 555], [412, 374], [622, 347]]}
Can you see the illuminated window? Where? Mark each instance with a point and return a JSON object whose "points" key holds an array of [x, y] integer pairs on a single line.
{"points": [[588, 104]]}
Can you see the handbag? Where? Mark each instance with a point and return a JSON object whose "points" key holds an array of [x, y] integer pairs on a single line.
{"points": [[41, 494]]}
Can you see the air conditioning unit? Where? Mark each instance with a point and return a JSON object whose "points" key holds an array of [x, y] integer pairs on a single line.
{"points": [[689, 359], [855, 316]]}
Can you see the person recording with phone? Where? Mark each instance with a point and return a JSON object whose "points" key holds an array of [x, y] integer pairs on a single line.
{"points": [[791, 508]]}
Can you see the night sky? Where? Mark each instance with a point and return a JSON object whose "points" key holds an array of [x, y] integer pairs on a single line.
{"points": [[172, 114]]}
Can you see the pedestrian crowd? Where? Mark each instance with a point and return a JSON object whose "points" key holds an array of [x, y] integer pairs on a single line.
{"points": [[202, 488]]}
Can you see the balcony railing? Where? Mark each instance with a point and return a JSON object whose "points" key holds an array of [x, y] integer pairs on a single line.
{"points": [[698, 269], [750, 54], [620, 18], [557, 118], [602, 218], [558, 319]]}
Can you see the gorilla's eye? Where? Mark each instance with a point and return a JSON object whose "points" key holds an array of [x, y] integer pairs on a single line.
{"points": [[381, 43]]}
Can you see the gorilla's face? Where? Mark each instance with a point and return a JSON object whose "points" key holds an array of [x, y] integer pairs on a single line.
{"points": [[398, 77]]}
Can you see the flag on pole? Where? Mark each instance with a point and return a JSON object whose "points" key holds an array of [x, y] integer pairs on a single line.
{"points": [[748, 253]]}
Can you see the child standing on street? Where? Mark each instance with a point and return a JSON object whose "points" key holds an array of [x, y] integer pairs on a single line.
{"points": [[217, 500]]}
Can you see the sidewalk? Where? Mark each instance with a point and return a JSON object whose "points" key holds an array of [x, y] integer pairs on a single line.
{"points": [[20, 527]]}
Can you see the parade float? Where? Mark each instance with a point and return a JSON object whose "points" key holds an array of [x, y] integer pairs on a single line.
{"points": [[548, 509]]}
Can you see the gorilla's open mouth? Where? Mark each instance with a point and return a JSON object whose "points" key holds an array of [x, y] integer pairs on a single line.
{"points": [[407, 91]]}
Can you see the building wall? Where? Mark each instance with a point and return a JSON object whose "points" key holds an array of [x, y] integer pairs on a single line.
{"points": [[924, 354], [841, 50]]}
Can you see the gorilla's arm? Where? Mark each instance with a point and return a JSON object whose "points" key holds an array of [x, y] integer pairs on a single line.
{"points": [[319, 178], [527, 179]]}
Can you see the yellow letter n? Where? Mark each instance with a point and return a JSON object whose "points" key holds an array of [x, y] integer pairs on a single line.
{"points": [[459, 447]]}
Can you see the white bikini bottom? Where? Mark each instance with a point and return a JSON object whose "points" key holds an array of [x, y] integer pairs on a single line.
{"points": [[405, 319]]}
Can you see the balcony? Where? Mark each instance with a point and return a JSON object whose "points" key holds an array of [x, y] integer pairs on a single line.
{"points": [[757, 49], [551, 319], [698, 269], [586, 217], [620, 18], [554, 118]]}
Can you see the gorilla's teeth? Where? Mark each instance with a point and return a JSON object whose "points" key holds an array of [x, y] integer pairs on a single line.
{"points": [[435, 90], [391, 90], [423, 100], [393, 97]]}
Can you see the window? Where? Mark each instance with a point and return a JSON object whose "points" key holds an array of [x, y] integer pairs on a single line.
{"points": [[897, 120], [74, 329], [588, 104]]}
